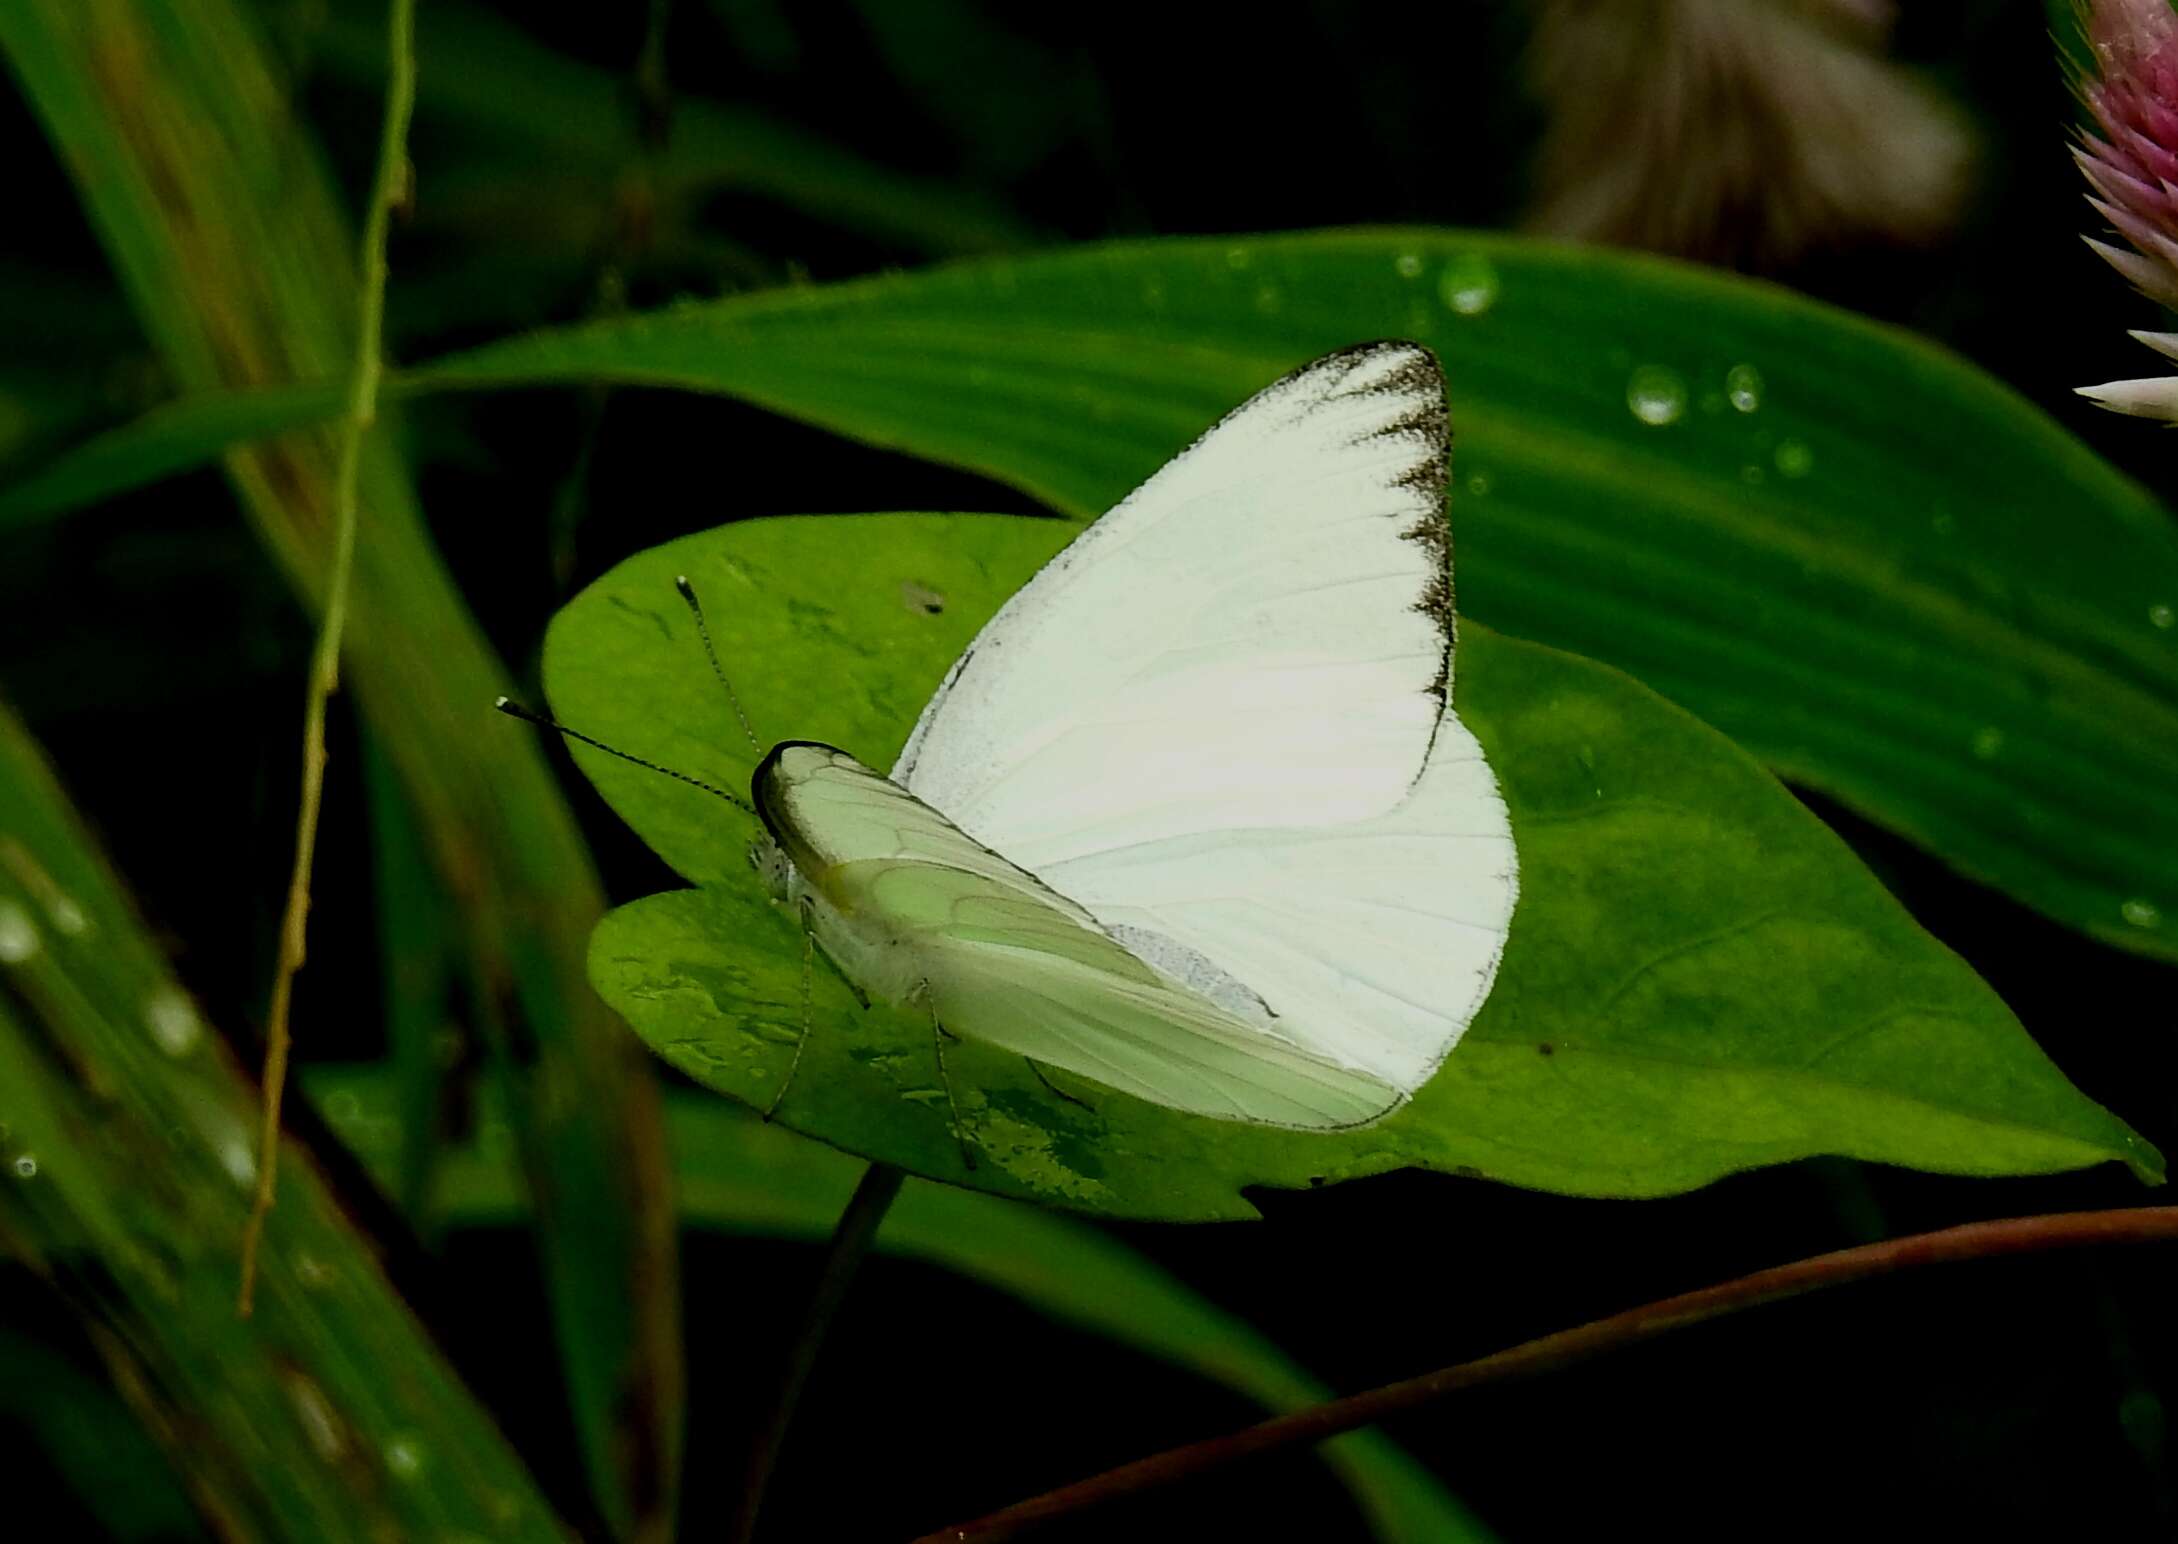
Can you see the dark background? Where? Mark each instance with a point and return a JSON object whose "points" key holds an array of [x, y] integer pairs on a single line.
{"points": [[158, 655]]}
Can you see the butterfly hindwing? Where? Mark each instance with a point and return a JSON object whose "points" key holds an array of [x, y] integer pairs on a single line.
{"points": [[917, 911]]}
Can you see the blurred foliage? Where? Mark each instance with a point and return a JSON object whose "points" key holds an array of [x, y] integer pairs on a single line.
{"points": [[741, 1176], [56, 1408], [129, 1164], [227, 236], [177, 172]]}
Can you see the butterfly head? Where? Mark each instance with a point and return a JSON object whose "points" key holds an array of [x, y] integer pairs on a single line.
{"points": [[772, 866]]}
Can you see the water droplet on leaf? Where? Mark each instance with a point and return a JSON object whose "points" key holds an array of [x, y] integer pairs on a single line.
{"points": [[404, 1457], [172, 1022], [1656, 395], [1468, 285], [18, 934]]}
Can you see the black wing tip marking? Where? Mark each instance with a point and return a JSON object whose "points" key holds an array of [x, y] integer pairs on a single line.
{"points": [[1428, 425], [1417, 374], [1427, 422], [1420, 369]]}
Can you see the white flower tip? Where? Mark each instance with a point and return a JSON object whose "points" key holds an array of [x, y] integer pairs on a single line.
{"points": [[2154, 396], [2150, 278]]}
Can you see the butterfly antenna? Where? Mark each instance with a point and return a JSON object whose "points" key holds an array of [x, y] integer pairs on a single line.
{"points": [[703, 631], [513, 709]]}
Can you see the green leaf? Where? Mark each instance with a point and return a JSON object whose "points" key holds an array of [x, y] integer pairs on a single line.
{"points": [[1701, 978], [128, 1138], [1872, 565], [1875, 567], [227, 236], [416, 942], [739, 1175], [89, 1439], [177, 436]]}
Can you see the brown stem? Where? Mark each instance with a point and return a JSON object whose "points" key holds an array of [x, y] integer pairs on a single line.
{"points": [[386, 189], [1973, 1241]]}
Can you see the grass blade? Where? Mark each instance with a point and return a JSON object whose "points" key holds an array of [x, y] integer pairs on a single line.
{"points": [[230, 245], [129, 1168]]}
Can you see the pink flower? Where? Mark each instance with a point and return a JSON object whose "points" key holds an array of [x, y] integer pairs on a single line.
{"points": [[2132, 165]]}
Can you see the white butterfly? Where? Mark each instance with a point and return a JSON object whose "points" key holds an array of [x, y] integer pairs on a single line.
{"points": [[1193, 817]]}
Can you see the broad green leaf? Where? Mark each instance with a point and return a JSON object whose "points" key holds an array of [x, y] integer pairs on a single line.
{"points": [[734, 1174], [1701, 978], [1873, 566]]}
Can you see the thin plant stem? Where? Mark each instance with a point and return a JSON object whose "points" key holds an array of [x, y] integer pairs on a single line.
{"points": [[362, 408], [850, 1242], [653, 96], [1302, 1428], [634, 230]]}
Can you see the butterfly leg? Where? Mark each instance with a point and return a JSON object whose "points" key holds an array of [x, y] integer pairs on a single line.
{"points": [[809, 965], [1045, 1079], [939, 1034]]}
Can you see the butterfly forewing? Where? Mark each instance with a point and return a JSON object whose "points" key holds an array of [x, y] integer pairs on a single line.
{"points": [[1222, 718], [1259, 635]]}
